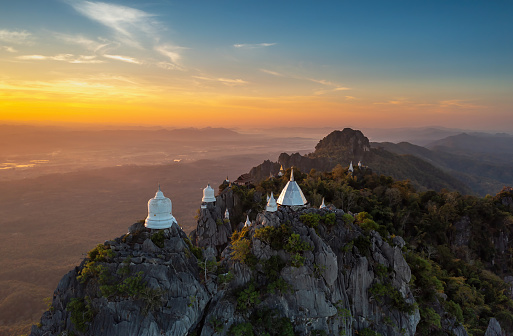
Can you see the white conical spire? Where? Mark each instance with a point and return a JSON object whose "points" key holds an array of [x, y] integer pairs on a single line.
{"points": [[208, 194], [359, 164], [291, 194], [351, 167], [159, 212], [322, 205], [248, 222], [271, 204], [227, 214]]}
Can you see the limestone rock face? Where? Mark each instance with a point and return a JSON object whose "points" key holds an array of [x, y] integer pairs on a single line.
{"points": [[348, 142], [330, 290], [326, 277], [213, 229], [160, 293], [337, 147], [462, 234], [494, 328]]}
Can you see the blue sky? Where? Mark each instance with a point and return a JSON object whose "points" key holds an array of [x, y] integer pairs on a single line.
{"points": [[409, 63]]}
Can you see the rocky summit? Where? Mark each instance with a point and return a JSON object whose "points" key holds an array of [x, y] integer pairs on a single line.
{"points": [[295, 272]]}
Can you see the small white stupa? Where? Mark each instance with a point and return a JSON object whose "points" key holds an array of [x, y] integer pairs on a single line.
{"points": [[351, 167], [227, 214], [292, 193], [248, 222], [282, 171], [359, 164], [323, 206], [208, 194], [271, 206], [159, 212]]}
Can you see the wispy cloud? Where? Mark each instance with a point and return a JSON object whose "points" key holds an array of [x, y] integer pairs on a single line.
{"points": [[124, 59], [9, 49], [99, 88], [253, 46], [86, 43], [392, 102], [16, 37], [69, 58], [226, 81], [334, 86], [331, 86], [131, 28], [128, 23], [172, 52], [323, 82], [336, 89], [350, 98], [274, 73], [458, 104]]}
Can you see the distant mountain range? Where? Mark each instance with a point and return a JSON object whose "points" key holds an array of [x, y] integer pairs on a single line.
{"points": [[483, 162]]}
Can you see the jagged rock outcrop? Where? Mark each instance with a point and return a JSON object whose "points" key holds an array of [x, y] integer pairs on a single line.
{"points": [[306, 271], [331, 290], [338, 147], [131, 286], [348, 142], [213, 229], [311, 278], [494, 328]]}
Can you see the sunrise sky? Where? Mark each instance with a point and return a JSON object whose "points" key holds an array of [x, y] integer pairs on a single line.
{"points": [[258, 63]]}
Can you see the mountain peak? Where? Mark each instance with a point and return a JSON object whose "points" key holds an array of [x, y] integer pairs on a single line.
{"points": [[347, 142]]}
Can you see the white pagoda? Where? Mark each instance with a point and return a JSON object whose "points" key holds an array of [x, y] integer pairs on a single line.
{"points": [[248, 222], [351, 167], [323, 206], [227, 214], [208, 194], [159, 212], [291, 194], [271, 206]]}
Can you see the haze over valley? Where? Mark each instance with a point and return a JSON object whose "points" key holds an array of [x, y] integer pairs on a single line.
{"points": [[96, 183]]}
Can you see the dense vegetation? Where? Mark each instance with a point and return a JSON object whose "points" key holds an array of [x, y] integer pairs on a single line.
{"points": [[456, 244]]}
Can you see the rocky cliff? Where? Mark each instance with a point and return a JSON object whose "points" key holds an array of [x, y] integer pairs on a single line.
{"points": [[303, 271], [300, 272]]}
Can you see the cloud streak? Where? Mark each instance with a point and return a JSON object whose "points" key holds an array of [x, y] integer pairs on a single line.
{"points": [[131, 27], [15, 37], [9, 49], [86, 43], [69, 58], [458, 103], [274, 73], [253, 46], [126, 59], [128, 23], [226, 81]]}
